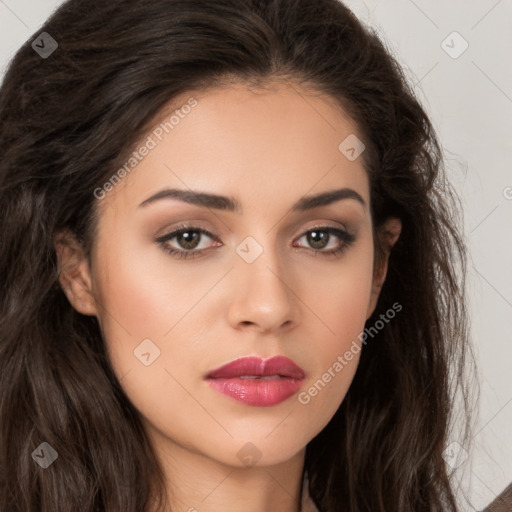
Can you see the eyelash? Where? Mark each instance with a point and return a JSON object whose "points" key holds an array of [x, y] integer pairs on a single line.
{"points": [[346, 237]]}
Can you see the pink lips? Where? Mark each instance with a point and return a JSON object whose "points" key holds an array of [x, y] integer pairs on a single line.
{"points": [[256, 381]]}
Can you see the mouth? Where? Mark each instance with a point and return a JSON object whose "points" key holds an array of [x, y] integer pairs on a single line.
{"points": [[258, 382]]}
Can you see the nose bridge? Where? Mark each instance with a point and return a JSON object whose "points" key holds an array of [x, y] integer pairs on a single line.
{"points": [[263, 293], [260, 266]]}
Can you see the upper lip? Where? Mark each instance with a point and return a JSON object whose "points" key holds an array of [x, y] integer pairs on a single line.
{"points": [[257, 367]]}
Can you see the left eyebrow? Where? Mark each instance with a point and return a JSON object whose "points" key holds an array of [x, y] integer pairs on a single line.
{"points": [[230, 204], [326, 198]]}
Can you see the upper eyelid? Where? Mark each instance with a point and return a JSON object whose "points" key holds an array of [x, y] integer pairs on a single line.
{"points": [[179, 229]]}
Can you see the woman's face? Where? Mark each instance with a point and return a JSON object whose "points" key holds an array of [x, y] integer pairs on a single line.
{"points": [[277, 275]]}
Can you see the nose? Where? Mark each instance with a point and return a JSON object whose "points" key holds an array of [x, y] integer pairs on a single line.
{"points": [[264, 297]]}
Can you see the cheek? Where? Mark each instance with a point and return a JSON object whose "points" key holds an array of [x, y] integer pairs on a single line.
{"points": [[338, 295], [340, 302], [156, 314], [150, 323], [338, 299], [144, 293]]}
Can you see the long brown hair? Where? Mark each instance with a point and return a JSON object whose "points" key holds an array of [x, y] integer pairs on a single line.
{"points": [[67, 123]]}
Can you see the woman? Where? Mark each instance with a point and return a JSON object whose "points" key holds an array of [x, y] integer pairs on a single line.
{"points": [[213, 213]]}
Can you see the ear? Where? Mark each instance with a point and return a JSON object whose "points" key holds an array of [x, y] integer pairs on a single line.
{"points": [[388, 235], [74, 273]]}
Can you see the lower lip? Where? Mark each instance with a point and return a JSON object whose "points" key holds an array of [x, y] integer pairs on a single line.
{"points": [[257, 392]]}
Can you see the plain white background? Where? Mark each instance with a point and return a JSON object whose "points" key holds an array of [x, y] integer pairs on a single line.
{"points": [[468, 95]]}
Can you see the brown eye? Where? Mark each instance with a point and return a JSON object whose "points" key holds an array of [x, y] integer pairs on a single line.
{"points": [[187, 240], [319, 238]]}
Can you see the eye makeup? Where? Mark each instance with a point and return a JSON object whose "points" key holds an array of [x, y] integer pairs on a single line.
{"points": [[190, 236]]}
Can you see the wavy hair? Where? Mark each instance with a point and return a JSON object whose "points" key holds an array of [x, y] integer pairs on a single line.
{"points": [[67, 123]]}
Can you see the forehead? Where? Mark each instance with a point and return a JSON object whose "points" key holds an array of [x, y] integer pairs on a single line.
{"points": [[265, 146]]}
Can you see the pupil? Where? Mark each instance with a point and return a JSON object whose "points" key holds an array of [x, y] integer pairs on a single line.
{"points": [[318, 239], [188, 239]]}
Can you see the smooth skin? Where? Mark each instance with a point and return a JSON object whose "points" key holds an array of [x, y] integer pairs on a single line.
{"points": [[266, 148]]}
